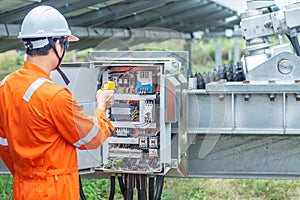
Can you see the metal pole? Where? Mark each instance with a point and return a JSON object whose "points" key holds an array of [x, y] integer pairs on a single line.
{"points": [[218, 54]]}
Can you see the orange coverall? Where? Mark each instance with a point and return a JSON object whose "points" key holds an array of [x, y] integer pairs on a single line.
{"points": [[41, 125]]}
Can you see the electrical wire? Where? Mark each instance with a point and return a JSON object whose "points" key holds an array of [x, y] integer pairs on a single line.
{"points": [[295, 43], [112, 187], [129, 184], [134, 114], [294, 40], [151, 188], [144, 186], [141, 182], [159, 187], [270, 9], [142, 125], [82, 196], [121, 184]]}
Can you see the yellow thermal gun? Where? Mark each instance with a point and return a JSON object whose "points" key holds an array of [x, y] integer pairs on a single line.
{"points": [[108, 85]]}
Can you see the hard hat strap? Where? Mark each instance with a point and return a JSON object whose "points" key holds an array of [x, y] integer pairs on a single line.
{"points": [[62, 74], [36, 44]]}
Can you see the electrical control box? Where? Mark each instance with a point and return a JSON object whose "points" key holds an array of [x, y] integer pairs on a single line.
{"points": [[145, 101], [141, 142], [135, 144]]}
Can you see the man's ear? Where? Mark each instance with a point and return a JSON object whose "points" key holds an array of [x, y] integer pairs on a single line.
{"points": [[57, 45], [57, 42]]}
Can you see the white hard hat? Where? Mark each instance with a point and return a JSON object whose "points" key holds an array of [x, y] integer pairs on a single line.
{"points": [[45, 21]]}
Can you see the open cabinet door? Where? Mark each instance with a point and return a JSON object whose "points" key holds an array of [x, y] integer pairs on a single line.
{"points": [[83, 85]]}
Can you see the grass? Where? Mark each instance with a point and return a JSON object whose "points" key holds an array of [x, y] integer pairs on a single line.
{"points": [[199, 189], [192, 189], [6, 182]]}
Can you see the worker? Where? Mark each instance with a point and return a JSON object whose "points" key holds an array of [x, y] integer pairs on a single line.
{"points": [[41, 124]]}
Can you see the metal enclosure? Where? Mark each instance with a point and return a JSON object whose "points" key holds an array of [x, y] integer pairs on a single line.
{"points": [[83, 86], [146, 103]]}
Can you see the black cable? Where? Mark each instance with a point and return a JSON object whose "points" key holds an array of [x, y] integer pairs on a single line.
{"points": [[129, 183], [216, 76], [131, 187], [295, 43], [126, 183], [121, 184], [205, 79], [112, 187], [270, 9], [141, 186], [143, 192], [159, 187], [138, 184], [82, 196], [151, 188], [200, 84], [156, 187], [240, 72]]}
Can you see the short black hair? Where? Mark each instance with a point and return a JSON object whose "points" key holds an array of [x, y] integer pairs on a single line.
{"points": [[44, 50]]}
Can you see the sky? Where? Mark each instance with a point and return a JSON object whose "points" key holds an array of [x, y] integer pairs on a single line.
{"points": [[240, 5]]}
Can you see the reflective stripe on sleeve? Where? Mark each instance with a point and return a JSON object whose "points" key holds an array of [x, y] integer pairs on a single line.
{"points": [[33, 87], [3, 141], [93, 132]]}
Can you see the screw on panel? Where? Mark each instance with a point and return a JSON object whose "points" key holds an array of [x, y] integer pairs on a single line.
{"points": [[297, 97], [221, 97], [246, 97], [272, 97], [268, 24]]}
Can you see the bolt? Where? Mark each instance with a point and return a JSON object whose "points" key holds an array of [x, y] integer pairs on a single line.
{"points": [[272, 97], [297, 97], [246, 97], [268, 24], [285, 66], [221, 97]]}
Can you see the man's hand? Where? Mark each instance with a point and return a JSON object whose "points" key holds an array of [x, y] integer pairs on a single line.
{"points": [[105, 99]]}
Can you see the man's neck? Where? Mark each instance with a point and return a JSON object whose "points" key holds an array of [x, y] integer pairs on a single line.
{"points": [[42, 61]]}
